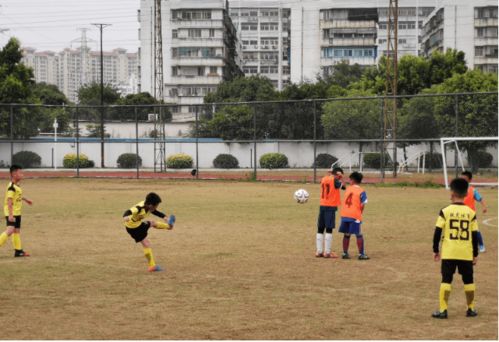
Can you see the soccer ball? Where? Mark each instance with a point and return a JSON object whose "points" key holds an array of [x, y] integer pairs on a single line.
{"points": [[301, 196]]}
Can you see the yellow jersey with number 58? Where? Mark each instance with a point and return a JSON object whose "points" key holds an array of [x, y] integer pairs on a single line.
{"points": [[457, 222]]}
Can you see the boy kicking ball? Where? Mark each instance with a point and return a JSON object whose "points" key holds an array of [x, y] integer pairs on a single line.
{"points": [[137, 228]]}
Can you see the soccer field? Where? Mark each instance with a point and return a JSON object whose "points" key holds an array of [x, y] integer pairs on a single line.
{"points": [[239, 265]]}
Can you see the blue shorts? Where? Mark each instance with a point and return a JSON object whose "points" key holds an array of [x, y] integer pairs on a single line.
{"points": [[327, 218], [350, 227]]}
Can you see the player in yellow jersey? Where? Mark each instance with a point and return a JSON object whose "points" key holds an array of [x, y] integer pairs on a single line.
{"points": [[137, 227], [457, 228], [12, 210]]}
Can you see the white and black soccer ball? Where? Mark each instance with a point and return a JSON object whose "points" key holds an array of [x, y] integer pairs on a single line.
{"points": [[301, 196]]}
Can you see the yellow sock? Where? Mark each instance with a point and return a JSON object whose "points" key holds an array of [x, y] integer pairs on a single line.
{"points": [[149, 256], [469, 291], [162, 225], [16, 241], [3, 238], [444, 294]]}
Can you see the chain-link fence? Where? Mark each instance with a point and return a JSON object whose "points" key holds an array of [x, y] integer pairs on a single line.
{"points": [[281, 140]]}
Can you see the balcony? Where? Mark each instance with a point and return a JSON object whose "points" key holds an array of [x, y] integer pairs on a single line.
{"points": [[364, 24], [349, 42], [482, 41], [484, 22], [485, 59], [192, 80]]}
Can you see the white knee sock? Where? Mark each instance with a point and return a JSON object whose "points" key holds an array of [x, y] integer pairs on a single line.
{"points": [[319, 242], [329, 240]]}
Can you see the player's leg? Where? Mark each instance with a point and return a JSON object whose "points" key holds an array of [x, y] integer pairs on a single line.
{"points": [[447, 270], [355, 229], [465, 268], [481, 245], [330, 223], [319, 237], [16, 239], [164, 225], [345, 229], [11, 226], [152, 267]]}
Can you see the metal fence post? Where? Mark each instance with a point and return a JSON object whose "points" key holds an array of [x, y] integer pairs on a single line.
{"points": [[315, 142], [456, 112], [102, 164], [77, 143], [382, 154], [197, 142], [254, 143], [136, 141], [11, 134]]}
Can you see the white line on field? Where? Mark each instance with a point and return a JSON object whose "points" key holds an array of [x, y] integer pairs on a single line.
{"points": [[486, 222]]}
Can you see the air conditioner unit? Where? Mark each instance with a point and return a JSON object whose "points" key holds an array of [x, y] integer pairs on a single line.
{"points": [[151, 117]]}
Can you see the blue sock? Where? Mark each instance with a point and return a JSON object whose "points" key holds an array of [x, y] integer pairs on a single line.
{"points": [[480, 239]]}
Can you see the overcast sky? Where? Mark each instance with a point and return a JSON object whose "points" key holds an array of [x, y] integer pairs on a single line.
{"points": [[53, 24]]}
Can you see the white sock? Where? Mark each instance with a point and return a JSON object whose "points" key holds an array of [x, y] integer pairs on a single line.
{"points": [[319, 242], [329, 240]]}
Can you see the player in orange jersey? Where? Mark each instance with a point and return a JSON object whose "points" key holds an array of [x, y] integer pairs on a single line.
{"points": [[472, 196], [330, 201], [351, 215]]}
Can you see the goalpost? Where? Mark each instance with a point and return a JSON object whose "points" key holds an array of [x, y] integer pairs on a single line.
{"points": [[450, 140]]}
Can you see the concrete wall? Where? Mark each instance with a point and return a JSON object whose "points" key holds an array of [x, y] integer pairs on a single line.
{"points": [[300, 154]]}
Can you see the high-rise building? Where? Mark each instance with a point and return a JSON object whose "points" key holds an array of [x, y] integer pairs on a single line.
{"points": [[72, 68], [264, 30], [200, 50], [468, 26]]}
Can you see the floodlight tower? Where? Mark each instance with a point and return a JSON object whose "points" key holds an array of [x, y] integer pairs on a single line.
{"points": [[159, 122], [390, 100]]}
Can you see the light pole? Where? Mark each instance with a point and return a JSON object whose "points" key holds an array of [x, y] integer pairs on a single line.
{"points": [[55, 125], [101, 28]]}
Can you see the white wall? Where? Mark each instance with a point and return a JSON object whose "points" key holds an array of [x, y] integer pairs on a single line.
{"points": [[300, 154]]}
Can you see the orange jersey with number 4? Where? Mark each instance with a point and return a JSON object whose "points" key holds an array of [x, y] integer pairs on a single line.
{"points": [[330, 195], [354, 199]]}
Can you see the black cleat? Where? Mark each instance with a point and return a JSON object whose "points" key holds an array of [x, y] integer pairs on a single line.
{"points": [[345, 256], [363, 257], [440, 315], [20, 253], [471, 313]]}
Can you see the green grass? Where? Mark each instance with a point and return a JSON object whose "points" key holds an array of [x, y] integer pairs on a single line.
{"points": [[239, 265]]}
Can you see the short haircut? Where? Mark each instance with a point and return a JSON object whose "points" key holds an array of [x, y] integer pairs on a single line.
{"points": [[152, 198], [459, 186], [14, 168], [467, 174], [337, 169], [357, 177]]}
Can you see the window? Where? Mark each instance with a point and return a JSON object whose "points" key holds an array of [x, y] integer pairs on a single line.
{"points": [[402, 41], [201, 71], [212, 33], [478, 51], [382, 25], [485, 12], [269, 26], [249, 27], [381, 41], [173, 92], [174, 34], [285, 70], [486, 32], [174, 71], [249, 70], [194, 33], [213, 71]]}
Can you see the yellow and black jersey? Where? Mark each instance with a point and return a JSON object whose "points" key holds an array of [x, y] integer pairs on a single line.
{"points": [[137, 213], [457, 228], [16, 194]]}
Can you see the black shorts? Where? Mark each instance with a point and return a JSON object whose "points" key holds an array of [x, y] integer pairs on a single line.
{"points": [[15, 224], [139, 233], [327, 217], [464, 267]]}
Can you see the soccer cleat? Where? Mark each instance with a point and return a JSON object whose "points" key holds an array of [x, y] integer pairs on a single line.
{"points": [[440, 315], [481, 248], [363, 257], [345, 256], [20, 253], [471, 313], [171, 220], [319, 255], [155, 268]]}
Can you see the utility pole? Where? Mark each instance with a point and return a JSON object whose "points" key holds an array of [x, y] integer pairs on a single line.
{"points": [[101, 28], [159, 122]]}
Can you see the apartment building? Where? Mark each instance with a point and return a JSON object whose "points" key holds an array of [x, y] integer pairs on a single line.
{"points": [[469, 26], [200, 50]]}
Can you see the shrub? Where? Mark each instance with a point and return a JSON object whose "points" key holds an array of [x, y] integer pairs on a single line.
{"points": [[226, 161], [129, 161], [434, 161], [27, 159], [69, 161], [273, 161], [480, 159], [325, 160], [179, 161], [373, 160]]}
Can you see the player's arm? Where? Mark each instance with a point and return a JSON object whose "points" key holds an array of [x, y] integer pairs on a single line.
{"points": [[10, 208], [128, 215], [479, 198], [363, 201], [158, 214], [338, 183], [437, 235], [474, 239], [27, 200]]}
